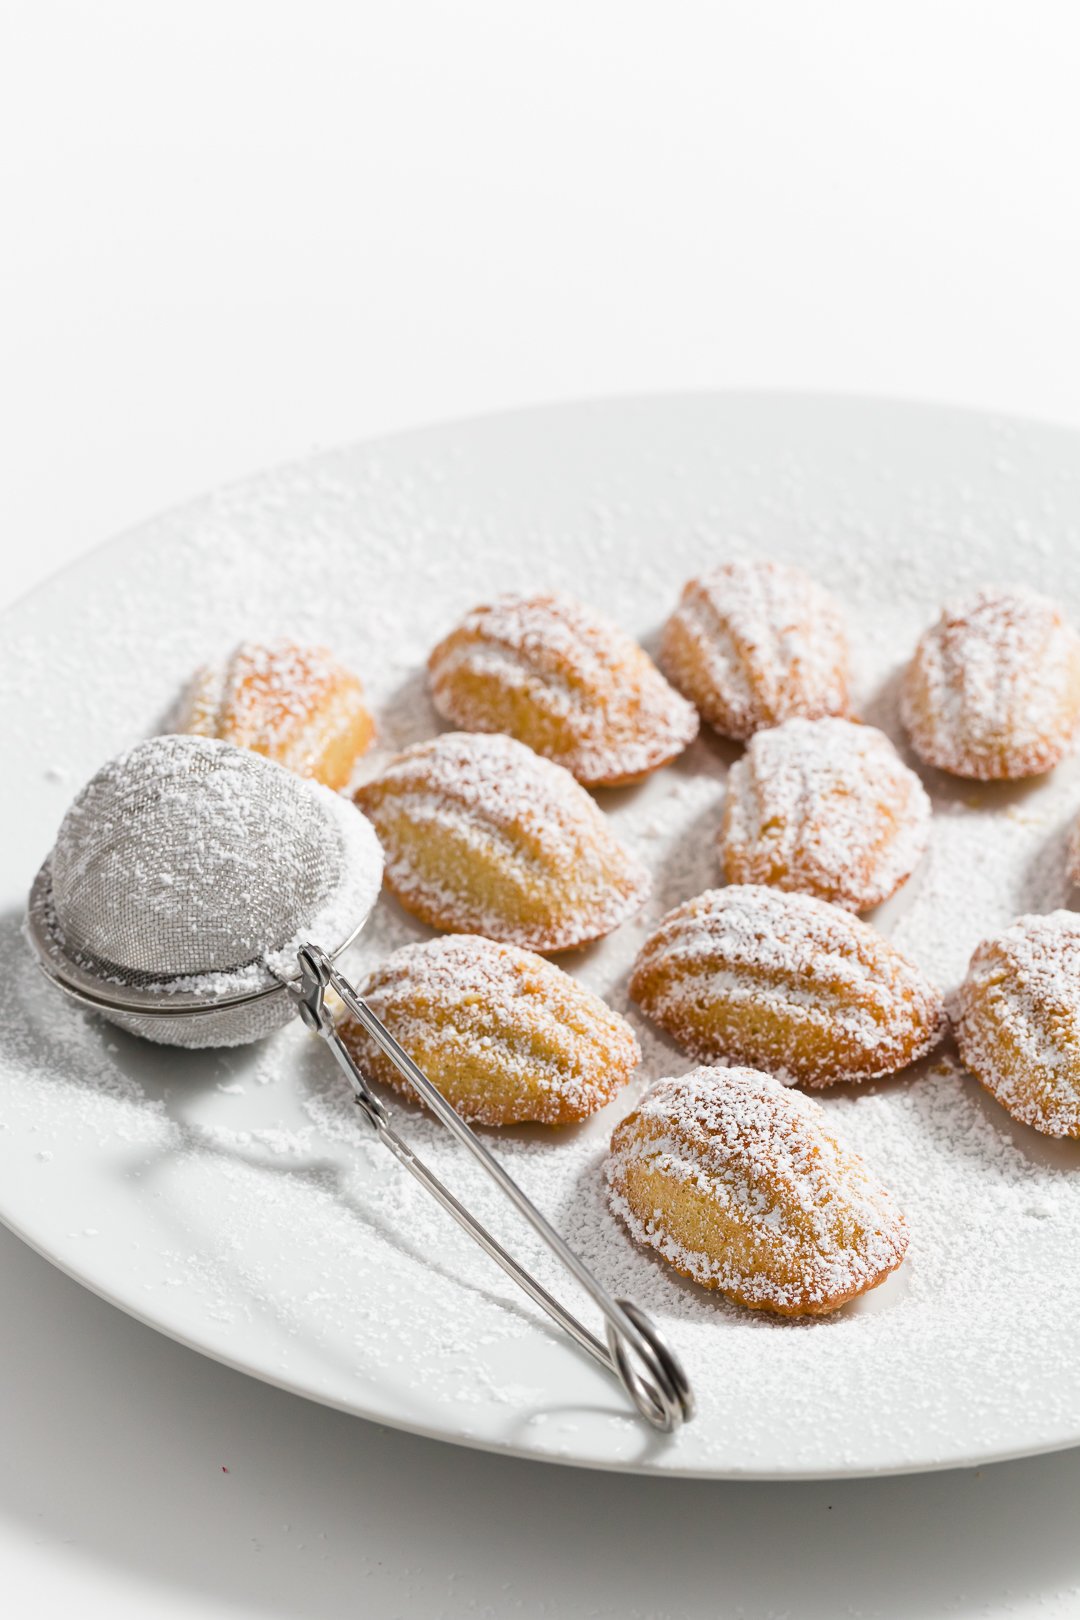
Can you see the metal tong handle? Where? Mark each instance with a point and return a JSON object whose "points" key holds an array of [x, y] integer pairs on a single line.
{"points": [[635, 1353]]}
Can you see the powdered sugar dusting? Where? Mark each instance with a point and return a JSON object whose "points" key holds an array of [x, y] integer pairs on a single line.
{"points": [[483, 836], [1019, 1025], [506, 1035], [565, 680], [827, 807], [994, 687], [805, 1227], [787, 983], [755, 643], [297, 705]]}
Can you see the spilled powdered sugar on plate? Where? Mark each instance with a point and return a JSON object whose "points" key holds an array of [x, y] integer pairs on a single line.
{"points": [[232, 1198]]}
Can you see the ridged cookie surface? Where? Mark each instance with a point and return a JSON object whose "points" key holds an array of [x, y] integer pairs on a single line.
{"points": [[785, 983], [506, 1036], [296, 705], [565, 680], [825, 807], [482, 836], [993, 690], [754, 643], [1019, 1020], [737, 1183]]}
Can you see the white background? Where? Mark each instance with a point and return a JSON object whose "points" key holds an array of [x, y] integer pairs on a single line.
{"points": [[232, 232]]}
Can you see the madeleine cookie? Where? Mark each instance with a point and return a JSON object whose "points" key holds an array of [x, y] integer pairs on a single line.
{"points": [[1019, 1021], [482, 836], [993, 690], [295, 705], [566, 681], [754, 643], [826, 807], [788, 984], [506, 1036], [735, 1181]]}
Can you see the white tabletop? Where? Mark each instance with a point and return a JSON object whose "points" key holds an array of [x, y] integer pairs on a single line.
{"points": [[236, 232]]}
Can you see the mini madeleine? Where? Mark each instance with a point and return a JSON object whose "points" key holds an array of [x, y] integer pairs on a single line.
{"points": [[736, 1182], [825, 807], [785, 983], [566, 681], [1018, 1028], [482, 836], [993, 691], [752, 644], [506, 1036], [296, 705]]}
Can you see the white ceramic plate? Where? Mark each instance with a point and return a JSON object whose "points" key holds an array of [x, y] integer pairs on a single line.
{"points": [[231, 1201]]}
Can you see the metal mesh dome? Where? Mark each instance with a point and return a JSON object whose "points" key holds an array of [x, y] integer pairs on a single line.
{"points": [[162, 868], [186, 874]]}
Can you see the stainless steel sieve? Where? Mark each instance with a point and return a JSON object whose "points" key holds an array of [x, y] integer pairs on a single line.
{"points": [[179, 901]]}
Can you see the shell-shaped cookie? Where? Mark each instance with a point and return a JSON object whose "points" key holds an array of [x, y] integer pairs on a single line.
{"points": [[565, 680], [482, 836], [737, 1183], [826, 807], [993, 690], [296, 705], [754, 643], [785, 983], [506, 1036], [1019, 1020]]}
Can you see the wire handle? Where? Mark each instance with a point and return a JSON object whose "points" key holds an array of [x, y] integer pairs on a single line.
{"points": [[635, 1353]]}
